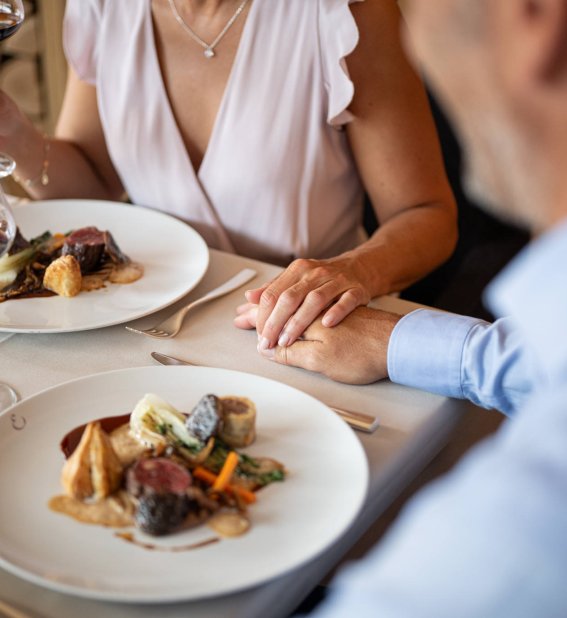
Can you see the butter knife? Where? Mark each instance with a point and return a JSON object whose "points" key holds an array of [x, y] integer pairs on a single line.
{"points": [[357, 420]]}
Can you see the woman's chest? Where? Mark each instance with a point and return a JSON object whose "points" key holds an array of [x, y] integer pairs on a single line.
{"points": [[195, 82], [258, 101]]}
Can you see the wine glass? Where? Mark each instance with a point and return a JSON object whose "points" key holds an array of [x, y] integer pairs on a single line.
{"points": [[8, 395], [11, 18], [7, 222]]}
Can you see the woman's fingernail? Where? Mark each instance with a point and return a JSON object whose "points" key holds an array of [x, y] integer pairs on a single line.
{"points": [[264, 344], [267, 352], [328, 321], [283, 340]]}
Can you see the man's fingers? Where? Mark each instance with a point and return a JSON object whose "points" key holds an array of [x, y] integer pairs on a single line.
{"points": [[247, 319], [244, 308], [302, 354]]}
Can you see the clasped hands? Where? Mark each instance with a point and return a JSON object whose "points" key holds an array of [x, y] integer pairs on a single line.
{"points": [[296, 317]]}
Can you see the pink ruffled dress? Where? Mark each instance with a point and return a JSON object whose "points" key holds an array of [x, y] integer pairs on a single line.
{"points": [[278, 180]]}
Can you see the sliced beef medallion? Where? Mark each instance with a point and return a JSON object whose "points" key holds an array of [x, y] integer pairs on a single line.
{"points": [[160, 485], [92, 247], [157, 475], [159, 514], [87, 245]]}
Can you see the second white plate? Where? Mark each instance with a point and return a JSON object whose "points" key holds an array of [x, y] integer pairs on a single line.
{"points": [[174, 257]]}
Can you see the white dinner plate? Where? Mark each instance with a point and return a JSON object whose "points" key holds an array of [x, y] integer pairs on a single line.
{"points": [[174, 257], [291, 523]]}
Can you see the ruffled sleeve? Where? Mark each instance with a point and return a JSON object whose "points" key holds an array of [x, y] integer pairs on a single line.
{"points": [[338, 35], [81, 27]]}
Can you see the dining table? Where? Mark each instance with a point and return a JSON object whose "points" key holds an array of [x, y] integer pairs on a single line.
{"points": [[413, 427]]}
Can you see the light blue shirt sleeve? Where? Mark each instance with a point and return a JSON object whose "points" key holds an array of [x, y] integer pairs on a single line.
{"points": [[466, 358]]}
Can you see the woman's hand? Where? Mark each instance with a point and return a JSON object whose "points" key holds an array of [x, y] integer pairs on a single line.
{"points": [[288, 304], [406, 185]]}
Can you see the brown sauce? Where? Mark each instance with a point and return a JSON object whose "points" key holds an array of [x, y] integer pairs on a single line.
{"points": [[121, 274], [72, 438], [37, 294], [130, 538], [116, 511]]}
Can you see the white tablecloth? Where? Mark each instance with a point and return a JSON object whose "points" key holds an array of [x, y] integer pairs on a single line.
{"points": [[414, 426]]}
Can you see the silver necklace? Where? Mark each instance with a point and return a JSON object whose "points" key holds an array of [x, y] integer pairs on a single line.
{"points": [[209, 47]]}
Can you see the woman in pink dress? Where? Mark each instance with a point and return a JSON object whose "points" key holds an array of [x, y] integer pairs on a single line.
{"points": [[262, 123]]}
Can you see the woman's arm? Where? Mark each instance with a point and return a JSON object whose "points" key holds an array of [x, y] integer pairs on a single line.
{"points": [[396, 149], [79, 164]]}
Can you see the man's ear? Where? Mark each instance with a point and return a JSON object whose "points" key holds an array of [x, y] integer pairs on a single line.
{"points": [[544, 27]]}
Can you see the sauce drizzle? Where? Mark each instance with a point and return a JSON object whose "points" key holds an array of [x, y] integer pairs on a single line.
{"points": [[130, 538], [72, 438]]}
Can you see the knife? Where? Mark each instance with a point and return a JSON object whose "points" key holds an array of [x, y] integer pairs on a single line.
{"points": [[357, 420]]}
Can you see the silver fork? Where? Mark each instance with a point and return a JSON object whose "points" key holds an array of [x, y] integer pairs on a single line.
{"points": [[172, 325]]}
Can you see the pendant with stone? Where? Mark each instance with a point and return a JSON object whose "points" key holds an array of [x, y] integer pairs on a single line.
{"points": [[209, 52]]}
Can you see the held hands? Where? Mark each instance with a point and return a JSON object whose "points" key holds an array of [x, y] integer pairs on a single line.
{"points": [[354, 352], [289, 303]]}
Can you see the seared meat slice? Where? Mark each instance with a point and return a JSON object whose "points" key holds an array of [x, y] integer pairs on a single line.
{"points": [[157, 475], [92, 247], [87, 246], [159, 514]]}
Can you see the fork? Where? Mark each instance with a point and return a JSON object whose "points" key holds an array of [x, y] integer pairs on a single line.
{"points": [[172, 325]]}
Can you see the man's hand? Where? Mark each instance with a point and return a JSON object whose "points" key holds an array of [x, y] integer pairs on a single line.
{"points": [[355, 351]]}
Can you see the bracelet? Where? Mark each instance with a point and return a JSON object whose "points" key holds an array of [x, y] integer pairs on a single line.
{"points": [[43, 176]]}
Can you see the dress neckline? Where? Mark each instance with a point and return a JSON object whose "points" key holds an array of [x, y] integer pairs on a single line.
{"points": [[197, 174]]}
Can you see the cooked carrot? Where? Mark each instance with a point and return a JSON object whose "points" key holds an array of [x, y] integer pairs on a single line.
{"points": [[225, 474], [209, 477]]}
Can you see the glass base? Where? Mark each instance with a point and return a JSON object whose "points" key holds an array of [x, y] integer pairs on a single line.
{"points": [[8, 396], [7, 165]]}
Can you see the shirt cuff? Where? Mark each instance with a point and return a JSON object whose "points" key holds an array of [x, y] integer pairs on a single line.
{"points": [[426, 351]]}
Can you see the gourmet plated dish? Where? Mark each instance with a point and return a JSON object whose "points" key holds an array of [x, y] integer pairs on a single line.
{"points": [[64, 264], [160, 470]]}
